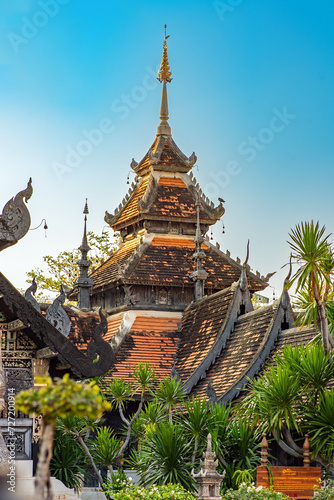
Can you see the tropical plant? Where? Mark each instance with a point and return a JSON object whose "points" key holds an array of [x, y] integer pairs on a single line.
{"points": [[197, 422], [68, 463], [121, 392], [166, 492], [105, 447], [313, 253], [80, 427], [57, 399], [170, 393], [292, 399], [165, 457]]}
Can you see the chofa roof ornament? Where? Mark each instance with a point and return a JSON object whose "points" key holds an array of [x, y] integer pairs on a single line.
{"points": [[15, 218], [243, 278]]}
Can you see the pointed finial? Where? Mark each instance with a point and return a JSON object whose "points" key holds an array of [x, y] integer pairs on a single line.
{"points": [[164, 78], [286, 281], [86, 211], [243, 278], [165, 73], [247, 254]]}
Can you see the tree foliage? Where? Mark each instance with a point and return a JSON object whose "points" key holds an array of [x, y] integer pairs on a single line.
{"points": [[312, 250], [292, 399], [63, 269]]}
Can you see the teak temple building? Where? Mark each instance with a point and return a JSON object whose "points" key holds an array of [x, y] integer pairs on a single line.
{"points": [[169, 297]]}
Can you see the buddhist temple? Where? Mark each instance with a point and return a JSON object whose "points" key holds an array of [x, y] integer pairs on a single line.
{"points": [[172, 298], [167, 296]]}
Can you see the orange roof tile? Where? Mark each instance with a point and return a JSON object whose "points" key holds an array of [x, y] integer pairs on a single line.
{"points": [[151, 340], [113, 325], [171, 181]]}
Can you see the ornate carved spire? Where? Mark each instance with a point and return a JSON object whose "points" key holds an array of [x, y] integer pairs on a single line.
{"points": [[200, 275], [84, 282], [164, 78]]}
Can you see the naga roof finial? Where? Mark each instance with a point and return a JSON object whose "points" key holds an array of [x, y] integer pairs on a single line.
{"points": [[164, 78], [243, 278]]}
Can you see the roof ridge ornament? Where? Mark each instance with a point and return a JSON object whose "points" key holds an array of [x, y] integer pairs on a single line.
{"points": [[29, 295], [57, 316], [285, 298], [243, 278], [164, 78], [15, 218]]}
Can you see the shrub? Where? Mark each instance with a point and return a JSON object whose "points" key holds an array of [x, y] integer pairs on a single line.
{"points": [[326, 493], [166, 492], [250, 492], [118, 482]]}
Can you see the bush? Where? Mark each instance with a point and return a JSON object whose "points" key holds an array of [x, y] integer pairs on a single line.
{"points": [[167, 492], [250, 492], [326, 493], [118, 482]]}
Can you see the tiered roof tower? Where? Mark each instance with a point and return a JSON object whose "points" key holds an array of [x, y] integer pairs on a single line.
{"points": [[158, 219]]}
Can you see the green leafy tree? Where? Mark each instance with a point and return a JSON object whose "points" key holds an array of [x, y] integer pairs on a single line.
{"points": [[57, 399], [63, 269]]}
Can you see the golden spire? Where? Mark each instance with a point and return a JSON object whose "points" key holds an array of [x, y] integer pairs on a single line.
{"points": [[164, 77], [165, 73]]}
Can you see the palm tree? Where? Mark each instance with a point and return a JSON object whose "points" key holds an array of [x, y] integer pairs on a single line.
{"points": [[312, 251], [170, 393]]}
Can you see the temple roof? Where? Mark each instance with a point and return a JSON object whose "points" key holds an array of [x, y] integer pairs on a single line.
{"points": [[242, 350], [164, 259], [201, 326], [161, 196], [15, 307], [149, 337]]}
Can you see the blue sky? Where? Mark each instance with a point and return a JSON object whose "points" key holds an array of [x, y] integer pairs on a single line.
{"points": [[252, 95]]}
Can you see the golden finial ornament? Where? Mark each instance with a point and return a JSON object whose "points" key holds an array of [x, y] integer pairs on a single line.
{"points": [[164, 78], [165, 73]]}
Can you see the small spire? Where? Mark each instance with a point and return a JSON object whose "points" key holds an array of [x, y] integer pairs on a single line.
{"points": [[164, 78], [84, 283]]}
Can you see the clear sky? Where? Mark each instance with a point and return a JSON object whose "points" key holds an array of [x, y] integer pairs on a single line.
{"points": [[252, 95]]}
